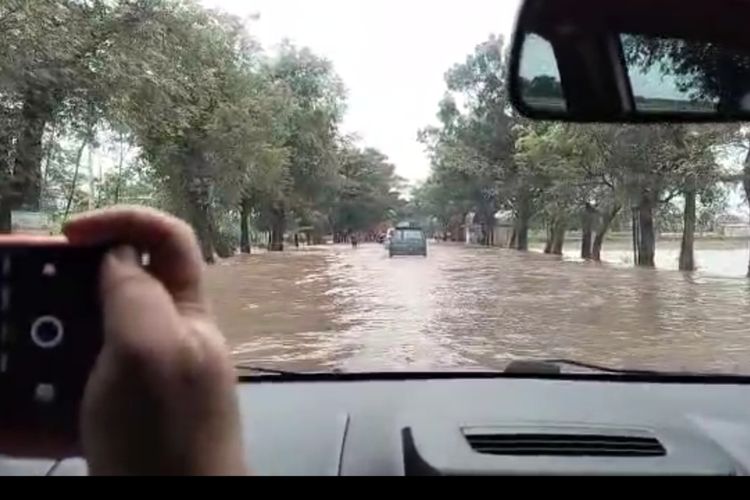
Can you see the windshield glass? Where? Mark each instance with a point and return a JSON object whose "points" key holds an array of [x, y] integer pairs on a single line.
{"points": [[296, 136], [408, 234]]}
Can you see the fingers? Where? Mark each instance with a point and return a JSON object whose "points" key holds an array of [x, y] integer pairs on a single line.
{"points": [[32, 240], [140, 318], [173, 249]]}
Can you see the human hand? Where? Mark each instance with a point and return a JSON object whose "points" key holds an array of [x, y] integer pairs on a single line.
{"points": [[161, 397]]}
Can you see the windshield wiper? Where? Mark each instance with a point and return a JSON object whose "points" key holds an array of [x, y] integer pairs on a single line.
{"points": [[531, 366], [553, 366], [264, 371], [274, 371]]}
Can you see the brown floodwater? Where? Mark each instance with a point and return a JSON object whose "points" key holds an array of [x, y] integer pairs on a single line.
{"points": [[471, 307]]}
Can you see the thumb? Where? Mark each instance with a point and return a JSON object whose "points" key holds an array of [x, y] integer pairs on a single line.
{"points": [[140, 318]]}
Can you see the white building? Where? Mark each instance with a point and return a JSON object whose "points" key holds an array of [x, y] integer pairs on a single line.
{"points": [[501, 232], [735, 230]]}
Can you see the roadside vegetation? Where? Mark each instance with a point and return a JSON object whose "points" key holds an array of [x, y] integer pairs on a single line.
{"points": [[202, 121], [558, 177]]}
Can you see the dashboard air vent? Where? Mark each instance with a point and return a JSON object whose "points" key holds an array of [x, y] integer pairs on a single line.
{"points": [[584, 445]]}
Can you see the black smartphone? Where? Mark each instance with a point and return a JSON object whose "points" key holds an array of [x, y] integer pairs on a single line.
{"points": [[50, 335]]}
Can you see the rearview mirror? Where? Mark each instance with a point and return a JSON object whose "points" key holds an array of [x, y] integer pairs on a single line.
{"points": [[632, 60]]}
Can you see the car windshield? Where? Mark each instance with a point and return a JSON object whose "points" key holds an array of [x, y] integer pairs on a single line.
{"points": [[408, 234], [300, 137]]}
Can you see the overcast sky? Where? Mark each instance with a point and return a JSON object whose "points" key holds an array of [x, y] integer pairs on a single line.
{"points": [[391, 54]]}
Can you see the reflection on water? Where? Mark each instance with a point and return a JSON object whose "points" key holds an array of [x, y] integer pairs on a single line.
{"points": [[470, 307]]}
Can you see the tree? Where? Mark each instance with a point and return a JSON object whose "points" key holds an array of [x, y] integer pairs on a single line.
{"points": [[472, 149], [49, 61], [311, 132], [247, 136], [542, 86], [565, 175], [555, 159], [697, 177], [609, 189], [366, 191], [702, 72]]}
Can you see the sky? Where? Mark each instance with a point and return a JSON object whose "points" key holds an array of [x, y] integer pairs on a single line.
{"points": [[391, 55]]}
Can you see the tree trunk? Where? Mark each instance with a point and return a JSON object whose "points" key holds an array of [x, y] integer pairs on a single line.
{"points": [[522, 236], [118, 180], [522, 223], [550, 236], [222, 247], [636, 234], [646, 237], [558, 237], [28, 167], [596, 250], [512, 242], [71, 194], [278, 226], [92, 184], [746, 186], [244, 227], [555, 236], [587, 228], [5, 220], [486, 228], [456, 229], [201, 222], [45, 169], [687, 260], [7, 188], [199, 188]]}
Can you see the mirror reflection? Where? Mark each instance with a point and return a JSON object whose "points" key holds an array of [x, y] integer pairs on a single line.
{"points": [[665, 76], [540, 78]]}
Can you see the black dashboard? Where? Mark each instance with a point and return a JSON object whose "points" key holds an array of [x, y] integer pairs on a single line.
{"points": [[418, 425]]}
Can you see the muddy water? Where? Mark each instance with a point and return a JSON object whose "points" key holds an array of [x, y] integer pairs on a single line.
{"points": [[469, 307], [274, 308]]}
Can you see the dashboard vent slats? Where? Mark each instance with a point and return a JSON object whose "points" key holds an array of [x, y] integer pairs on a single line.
{"points": [[584, 445]]}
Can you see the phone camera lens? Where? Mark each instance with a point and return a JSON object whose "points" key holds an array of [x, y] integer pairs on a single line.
{"points": [[47, 332]]}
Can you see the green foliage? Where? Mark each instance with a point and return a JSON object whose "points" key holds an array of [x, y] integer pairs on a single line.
{"points": [[215, 123], [196, 118], [365, 192], [485, 159], [472, 149]]}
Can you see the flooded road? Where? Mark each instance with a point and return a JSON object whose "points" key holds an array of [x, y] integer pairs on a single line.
{"points": [[472, 307]]}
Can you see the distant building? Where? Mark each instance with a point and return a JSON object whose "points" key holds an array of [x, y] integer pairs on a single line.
{"points": [[34, 223], [504, 221], [730, 218], [472, 230], [741, 230], [733, 226], [501, 232]]}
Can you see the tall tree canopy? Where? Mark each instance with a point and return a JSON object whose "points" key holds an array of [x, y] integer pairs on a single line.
{"points": [[205, 123], [565, 176]]}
